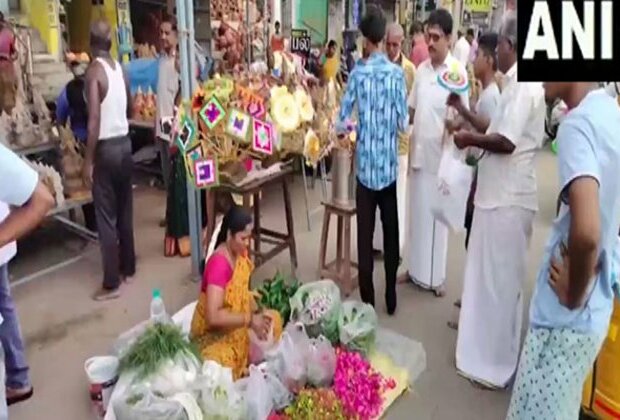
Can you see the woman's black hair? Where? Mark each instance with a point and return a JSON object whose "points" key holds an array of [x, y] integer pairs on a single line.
{"points": [[235, 221]]}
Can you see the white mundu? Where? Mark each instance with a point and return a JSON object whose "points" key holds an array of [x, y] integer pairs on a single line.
{"points": [[114, 106], [427, 242], [505, 204]]}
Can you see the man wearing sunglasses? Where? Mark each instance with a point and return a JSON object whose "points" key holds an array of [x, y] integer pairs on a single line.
{"points": [[506, 201], [427, 247]]}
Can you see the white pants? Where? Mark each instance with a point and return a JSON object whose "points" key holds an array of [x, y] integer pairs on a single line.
{"points": [[427, 244], [401, 197], [488, 343]]}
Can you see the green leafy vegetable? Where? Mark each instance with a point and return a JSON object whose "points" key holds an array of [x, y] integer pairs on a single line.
{"points": [[158, 343], [275, 294]]}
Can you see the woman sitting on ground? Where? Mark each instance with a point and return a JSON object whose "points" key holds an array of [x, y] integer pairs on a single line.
{"points": [[226, 310]]}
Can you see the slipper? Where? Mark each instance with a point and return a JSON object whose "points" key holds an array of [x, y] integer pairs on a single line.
{"points": [[103, 295], [458, 303], [453, 325], [20, 397]]}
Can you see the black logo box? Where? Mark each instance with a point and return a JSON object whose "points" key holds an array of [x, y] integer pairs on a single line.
{"points": [[575, 69]]}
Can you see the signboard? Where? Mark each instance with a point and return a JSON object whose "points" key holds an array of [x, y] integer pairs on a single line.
{"points": [[479, 6], [300, 42]]}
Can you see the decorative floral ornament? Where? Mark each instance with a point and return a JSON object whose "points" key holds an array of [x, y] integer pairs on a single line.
{"points": [[284, 112], [312, 147], [304, 103]]}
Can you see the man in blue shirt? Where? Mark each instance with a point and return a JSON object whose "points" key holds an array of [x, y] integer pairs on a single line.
{"points": [[20, 188], [377, 89], [573, 300]]}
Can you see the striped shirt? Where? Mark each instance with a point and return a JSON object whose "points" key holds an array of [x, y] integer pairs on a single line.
{"points": [[377, 89]]}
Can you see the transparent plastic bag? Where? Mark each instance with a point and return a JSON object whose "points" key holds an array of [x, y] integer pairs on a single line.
{"points": [[257, 395], [259, 348], [218, 396], [321, 362], [357, 326], [317, 306], [403, 351], [449, 200], [141, 403], [175, 376], [289, 357]]}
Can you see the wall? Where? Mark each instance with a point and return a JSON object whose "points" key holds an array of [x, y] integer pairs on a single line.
{"points": [[79, 27], [43, 15]]}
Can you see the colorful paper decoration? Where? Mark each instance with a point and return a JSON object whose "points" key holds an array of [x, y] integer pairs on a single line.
{"points": [[192, 155], [263, 137], [238, 125], [453, 80], [257, 109], [206, 173], [212, 113], [251, 102], [187, 134]]}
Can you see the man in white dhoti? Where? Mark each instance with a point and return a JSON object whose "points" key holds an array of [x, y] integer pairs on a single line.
{"points": [[505, 204], [427, 245], [393, 45]]}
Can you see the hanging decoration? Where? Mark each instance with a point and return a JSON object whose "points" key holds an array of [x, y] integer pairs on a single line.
{"points": [[238, 125], [212, 113], [187, 134], [192, 155], [206, 173], [263, 138]]}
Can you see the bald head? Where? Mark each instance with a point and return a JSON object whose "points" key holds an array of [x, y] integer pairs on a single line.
{"points": [[100, 37], [394, 41]]}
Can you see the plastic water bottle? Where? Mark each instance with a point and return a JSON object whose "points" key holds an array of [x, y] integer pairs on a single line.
{"points": [[158, 310]]}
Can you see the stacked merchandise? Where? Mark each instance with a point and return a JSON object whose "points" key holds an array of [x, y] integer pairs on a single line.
{"points": [[331, 362]]}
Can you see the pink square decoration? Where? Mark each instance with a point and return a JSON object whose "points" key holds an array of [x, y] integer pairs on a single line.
{"points": [[262, 137], [205, 172]]}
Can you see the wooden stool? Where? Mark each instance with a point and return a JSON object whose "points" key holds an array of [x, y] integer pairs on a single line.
{"points": [[339, 270]]}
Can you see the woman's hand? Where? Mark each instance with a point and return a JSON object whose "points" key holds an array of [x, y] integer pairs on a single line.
{"points": [[260, 324]]}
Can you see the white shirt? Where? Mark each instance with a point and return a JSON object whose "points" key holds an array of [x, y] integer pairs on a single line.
{"points": [[114, 106], [510, 180], [489, 101], [167, 87], [8, 251], [428, 99], [461, 50]]}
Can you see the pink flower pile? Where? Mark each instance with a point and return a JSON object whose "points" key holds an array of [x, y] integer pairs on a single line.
{"points": [[358, 387]]}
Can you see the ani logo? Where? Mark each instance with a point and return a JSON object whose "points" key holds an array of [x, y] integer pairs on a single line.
{"points": [[262, 141], [212, 113], [238, 125], [206, 173]]}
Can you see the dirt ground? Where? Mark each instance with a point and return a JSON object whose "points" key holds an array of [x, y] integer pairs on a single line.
{"points": [[63, 326]]}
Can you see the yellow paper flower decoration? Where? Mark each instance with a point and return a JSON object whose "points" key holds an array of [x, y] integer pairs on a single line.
{"points": [[304, 103], [285, 113], [276, 91], [312, 147]]}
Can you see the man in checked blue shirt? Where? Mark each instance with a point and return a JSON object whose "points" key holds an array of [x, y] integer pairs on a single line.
{"points": [[377, 89]]}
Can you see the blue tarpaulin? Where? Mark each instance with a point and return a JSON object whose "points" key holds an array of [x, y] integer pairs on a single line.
{"points": [[143, 73]]}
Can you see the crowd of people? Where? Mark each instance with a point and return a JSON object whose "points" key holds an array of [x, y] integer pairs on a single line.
{"points": [[503, 130], [404, 117]]}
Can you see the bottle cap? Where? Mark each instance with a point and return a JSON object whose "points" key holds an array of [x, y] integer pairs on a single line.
{"points": [[156, 293]]}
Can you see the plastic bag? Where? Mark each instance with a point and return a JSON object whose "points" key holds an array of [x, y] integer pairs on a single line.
{"points": [[449, 201], [218, 396], [258, 347], [317, 306], [403, 351], [175, 376], [257, 395], [358, 326], [321, 362], [141, 403], [288, 359]]}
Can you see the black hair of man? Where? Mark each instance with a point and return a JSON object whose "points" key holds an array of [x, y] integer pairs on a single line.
{"points": [[373, 25], [277, 24], [488, 45], [172, 21], [470, 32], [417, 28], [441, 18], [100, 37], [331, 44], [459, 34]]}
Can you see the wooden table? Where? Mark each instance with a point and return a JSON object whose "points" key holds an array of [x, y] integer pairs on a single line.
{"points": [[280, 241]]}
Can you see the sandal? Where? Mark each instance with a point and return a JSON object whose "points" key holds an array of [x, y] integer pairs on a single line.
{"points": [[19, 397]]}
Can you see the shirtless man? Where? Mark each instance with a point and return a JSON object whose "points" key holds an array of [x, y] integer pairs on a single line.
{"points": [[108, 164]]}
